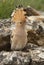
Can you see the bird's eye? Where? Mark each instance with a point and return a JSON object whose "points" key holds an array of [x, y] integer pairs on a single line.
{"points": [[20, 22], [24, 9]]}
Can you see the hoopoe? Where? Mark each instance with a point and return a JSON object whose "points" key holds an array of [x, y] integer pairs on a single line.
{"points": [[19, 35]]}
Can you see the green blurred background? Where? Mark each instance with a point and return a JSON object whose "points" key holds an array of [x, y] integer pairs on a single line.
{"points": [[7, 6]]}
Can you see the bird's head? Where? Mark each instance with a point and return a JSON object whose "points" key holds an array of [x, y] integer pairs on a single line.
{"points": [[19, 15]]}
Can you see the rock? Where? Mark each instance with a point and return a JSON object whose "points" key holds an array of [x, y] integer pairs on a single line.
{"points": [[5, 34], [14, 58], [35, 36], [34, 56], [4, 43], [31, 11], [37, 56]]}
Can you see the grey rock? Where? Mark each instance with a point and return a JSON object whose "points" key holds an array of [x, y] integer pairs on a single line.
{"points": [[15, 57], [34, 36], [34, 56]]}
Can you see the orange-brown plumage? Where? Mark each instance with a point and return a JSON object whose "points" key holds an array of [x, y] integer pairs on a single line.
{"points": [[19, 16]]}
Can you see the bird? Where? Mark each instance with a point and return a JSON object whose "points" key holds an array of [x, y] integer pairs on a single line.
{"points": [[19, 34]]}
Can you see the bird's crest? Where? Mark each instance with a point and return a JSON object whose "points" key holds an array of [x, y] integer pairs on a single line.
{"points": [[19, 15]]}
